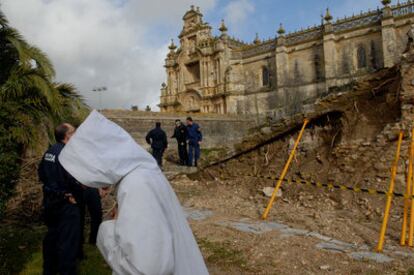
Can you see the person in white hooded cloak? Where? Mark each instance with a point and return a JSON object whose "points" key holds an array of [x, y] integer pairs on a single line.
{"points": [[150, 234]]}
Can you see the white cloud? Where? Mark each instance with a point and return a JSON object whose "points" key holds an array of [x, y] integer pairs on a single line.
{"points": [[103, 43], [236, 13]]}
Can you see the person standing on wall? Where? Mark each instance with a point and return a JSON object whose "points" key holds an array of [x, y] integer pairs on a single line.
{"points": [[62, 198], [158, 141], [180, 134], [194, 138]]}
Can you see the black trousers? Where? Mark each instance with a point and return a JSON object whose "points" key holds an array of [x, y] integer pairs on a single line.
{"points": [[157, 154], [182, 152], [92, 201], [61, 243]]}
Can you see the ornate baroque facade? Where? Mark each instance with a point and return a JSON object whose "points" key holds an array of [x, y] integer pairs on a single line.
{"points": [[277, 77]]}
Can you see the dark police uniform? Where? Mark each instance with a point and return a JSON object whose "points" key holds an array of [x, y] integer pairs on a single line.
{"points": [[61, 243], [194, 136], [158, 141], [92, 200], [180, 134]]}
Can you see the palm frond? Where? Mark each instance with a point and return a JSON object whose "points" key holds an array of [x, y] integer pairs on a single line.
{"points": [[3, 20], [30, 56], [67, 90], [24, 83], [43, 64], [20, 45]]}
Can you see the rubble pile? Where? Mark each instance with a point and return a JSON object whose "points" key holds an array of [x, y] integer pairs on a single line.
{"points": [[351, 140]]}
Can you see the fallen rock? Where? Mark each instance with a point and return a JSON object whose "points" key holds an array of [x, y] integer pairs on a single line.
{"points": [[266, 130], [324, 267], [268, 191]]}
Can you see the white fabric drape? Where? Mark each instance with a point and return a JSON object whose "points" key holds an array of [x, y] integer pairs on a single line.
{"points": [[151, 234]]}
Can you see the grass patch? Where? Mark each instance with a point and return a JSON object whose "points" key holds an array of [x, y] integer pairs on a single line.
{"points": [[215, 151], [93, 265], [222, 254], [21, 252], [17, 244]]}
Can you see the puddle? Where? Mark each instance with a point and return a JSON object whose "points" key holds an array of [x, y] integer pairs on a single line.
{"points": [[197, 214], [377, 257], [332, 247]]}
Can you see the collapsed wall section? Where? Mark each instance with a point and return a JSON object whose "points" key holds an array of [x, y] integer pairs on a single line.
{"points": [[351, 137]]}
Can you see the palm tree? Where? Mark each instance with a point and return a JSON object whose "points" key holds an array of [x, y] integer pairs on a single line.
{"points": [[30, 102], [27, 78]]}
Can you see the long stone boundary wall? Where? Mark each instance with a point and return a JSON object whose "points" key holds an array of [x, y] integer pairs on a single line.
{"points": [[218, 130]]}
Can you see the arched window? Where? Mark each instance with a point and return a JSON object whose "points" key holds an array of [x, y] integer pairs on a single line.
{"points": [[362, 57], [265, 76]]}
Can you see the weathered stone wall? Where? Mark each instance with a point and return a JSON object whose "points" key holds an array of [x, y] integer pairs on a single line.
{"points": [[218, 131]]}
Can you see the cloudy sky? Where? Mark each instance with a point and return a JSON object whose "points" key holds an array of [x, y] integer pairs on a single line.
{"points": [[121, 44]]}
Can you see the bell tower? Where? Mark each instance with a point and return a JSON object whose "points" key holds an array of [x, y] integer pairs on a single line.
{"points": [[192, 18], [194, 30], [195, 68]]}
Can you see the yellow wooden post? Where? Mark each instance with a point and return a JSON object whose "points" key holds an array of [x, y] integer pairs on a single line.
{"points": [[411, 229], [407, 201], [284, 172], [389, 196]]}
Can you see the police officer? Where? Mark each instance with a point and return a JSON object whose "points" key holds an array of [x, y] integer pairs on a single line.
{"points": [[158, 141], [62, 195], [92, 201], [194, 138], [180, 134]]}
